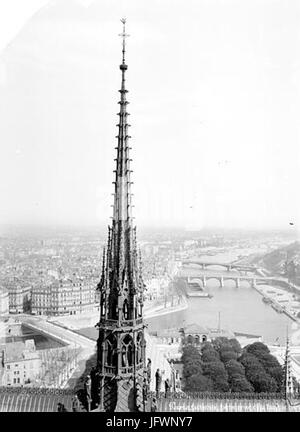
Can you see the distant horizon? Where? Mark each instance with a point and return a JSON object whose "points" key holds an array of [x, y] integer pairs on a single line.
{"points": [[141, 227]]}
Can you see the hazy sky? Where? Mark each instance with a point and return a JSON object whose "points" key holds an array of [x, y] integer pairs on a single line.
{"points": [[214, 102]]}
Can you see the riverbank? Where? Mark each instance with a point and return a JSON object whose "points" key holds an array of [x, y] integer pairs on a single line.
{"points": [[281, 300], [76, 322], [162, 310]]}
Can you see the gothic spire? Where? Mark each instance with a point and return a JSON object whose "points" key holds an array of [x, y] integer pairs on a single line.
{"points": [[121, 343], [122, 195]]}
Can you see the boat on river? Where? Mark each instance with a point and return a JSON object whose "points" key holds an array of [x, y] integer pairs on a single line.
{"points": [[200, 294], [266, 300], [277, 307]]}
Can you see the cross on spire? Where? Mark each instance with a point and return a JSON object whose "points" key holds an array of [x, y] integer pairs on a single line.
{"points": [[124, 35]]}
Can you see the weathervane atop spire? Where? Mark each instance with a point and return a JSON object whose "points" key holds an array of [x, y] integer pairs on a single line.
{"points": [[124, 35]]}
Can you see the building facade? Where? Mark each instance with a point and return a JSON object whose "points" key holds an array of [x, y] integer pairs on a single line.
{"points": [[19, 296], [4, 301], [20, 364], [194, 334], [64, 297], [157, 288]]}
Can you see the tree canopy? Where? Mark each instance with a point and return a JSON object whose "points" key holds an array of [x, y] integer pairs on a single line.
{"points": [[222, 365]]}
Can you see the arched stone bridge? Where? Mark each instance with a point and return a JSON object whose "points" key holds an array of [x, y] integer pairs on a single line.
{"points": [[228, 266], [252, 280]]}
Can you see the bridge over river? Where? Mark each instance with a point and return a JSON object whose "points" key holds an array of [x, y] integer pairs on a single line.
{"points": [[234, 272], [253, 281], [228, 266]]}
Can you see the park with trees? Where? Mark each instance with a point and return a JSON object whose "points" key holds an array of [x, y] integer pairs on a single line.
{"points": [[223, 366]]}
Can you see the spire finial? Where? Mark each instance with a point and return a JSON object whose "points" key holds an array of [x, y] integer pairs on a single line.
{"points": [[124, 35]]}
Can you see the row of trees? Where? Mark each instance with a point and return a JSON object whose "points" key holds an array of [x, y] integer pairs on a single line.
{"points": [[57, 365], [223, 366]]}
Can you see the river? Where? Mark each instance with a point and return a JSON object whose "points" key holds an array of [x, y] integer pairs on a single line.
{"points": [[241, 310]]}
